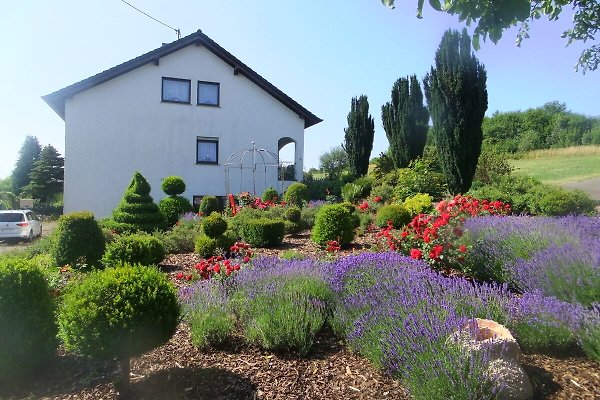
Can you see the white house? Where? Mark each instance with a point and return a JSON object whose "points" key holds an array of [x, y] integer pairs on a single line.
{"points": [[182, 109]]}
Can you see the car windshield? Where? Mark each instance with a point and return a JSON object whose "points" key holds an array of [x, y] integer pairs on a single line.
{"points": [[12, 217]]}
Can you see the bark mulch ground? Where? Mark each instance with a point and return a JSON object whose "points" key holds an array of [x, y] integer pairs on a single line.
{"points": [[178, 370]]}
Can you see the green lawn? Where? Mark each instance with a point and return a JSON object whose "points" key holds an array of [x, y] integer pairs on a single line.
{"points": [[560, 169]]}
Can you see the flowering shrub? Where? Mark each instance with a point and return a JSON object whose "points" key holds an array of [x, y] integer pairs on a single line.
{"points": [[437, 238], [218, 266], [499, 245]]}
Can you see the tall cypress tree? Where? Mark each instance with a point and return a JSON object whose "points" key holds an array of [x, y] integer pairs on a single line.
{"points": [[29, 153], [457, 99], [405, 121], [359, 136], [46, 178]]}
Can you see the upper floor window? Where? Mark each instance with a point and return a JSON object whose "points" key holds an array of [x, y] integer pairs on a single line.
{"points": [[176, 90], [208, 93]]}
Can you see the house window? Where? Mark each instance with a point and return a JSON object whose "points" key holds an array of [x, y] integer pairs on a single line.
{"points": [[176, 90], [207, 150], [208, 93]]}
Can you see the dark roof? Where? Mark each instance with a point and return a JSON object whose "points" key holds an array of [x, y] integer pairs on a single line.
{"points": [[57, 99]]}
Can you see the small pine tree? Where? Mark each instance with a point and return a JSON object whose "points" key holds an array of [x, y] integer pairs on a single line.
{"points": [[359, 136], [46, 178], [29, 153], [457, 99], [137, 211], [405, 121]]}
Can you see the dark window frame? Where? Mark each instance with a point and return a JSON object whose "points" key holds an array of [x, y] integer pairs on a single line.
{"points": [[162, 90], [207, 140], [217, 84]]}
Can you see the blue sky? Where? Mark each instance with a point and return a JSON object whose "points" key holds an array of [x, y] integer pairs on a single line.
{"points": [[321, 53]]}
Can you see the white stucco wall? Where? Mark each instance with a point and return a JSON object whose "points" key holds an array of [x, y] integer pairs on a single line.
{"points": [[121, 126]]}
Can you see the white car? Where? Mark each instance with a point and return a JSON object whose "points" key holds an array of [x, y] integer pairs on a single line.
{"points": [[19, 224]]}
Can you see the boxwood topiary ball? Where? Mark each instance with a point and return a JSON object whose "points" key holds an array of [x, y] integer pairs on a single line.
{"points": [[173, 185]]}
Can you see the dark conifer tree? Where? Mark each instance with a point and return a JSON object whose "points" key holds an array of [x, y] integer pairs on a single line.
{"points": [[405, 121], [359, 136], [456, 94], [29, 153], [46, 178]]}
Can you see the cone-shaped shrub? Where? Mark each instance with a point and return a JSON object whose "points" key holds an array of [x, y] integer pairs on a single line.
{"points": [[27, 327], [79, 240], [333, 222], [137, 211], [120, 313]]}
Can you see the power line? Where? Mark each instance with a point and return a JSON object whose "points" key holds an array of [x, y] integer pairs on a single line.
{"points": [[177, 31]]}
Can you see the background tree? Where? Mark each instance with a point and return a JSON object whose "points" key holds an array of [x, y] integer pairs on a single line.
{"points": [[29, 153], [333, 162], [359, 136], [405, 121], [46, 179], [492, 17], [457, 98]]}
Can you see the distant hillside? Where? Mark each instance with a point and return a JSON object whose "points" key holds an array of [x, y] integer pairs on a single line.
{"points": [[560, 166], [549, 126]]}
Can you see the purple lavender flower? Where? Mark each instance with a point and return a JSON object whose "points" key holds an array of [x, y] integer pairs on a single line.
{"points": [[589, 335]]}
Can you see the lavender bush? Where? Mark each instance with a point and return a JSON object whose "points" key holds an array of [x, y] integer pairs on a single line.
{"points": [[207, 309], [518, 250], [589, 335], [542, 324], [568, 272], [399, 314], [282, 304]]}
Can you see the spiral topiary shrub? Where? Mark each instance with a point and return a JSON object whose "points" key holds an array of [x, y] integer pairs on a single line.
{"points": [[296, 194], [333, 222], [27, 326], [263, 232], [141, 248], [173, 207], [396, 213], [137, 211], [209, 205], [118, 312], [214, 225], [270, 194], [79, 240], [173, 185]]}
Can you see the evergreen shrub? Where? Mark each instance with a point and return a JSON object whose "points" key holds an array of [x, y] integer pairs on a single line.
{"points": [[296, 194], [118, 312], [396, 213], [79, 240], [180, 239], [263, 232], [137, 211], [214, 225], [292, 214], [333, 222], [173, 185], [141, 248], [270, 194], [209, 205], [27, 325], [207, 247], [173, 207], [420, 203]]}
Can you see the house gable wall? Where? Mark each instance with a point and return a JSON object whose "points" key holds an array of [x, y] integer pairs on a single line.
{"points": [[120, 126]]}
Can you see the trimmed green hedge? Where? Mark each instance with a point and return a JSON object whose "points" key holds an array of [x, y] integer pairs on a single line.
{"points": [[263, 232], [79, 240], [396, 213], [27, 326], [333, 222], [139, 248]]}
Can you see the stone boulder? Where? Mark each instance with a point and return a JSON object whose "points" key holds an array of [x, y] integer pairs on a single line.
{"points": [[502, 352]]}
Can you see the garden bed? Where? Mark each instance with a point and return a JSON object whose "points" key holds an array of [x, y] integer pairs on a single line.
{"points": [[178, 370]]}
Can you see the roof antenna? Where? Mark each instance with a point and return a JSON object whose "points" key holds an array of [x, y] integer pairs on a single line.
{"points": [[177, 31]]}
